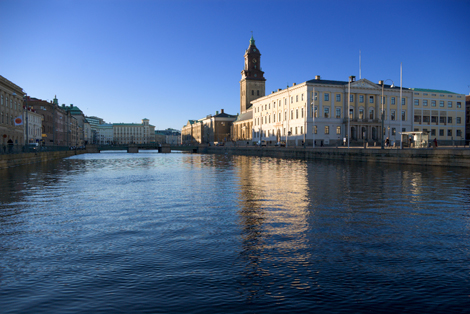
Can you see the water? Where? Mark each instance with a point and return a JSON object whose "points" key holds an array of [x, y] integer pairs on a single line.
{"points": [[183, 233]]}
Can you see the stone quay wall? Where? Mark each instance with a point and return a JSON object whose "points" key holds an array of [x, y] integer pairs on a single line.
{"points": [[451, 157], [13, 160]]}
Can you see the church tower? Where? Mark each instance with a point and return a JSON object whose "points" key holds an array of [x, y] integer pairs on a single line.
{"points": [[252, 84]]}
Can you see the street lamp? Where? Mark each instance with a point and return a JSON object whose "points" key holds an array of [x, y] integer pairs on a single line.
{"points": [[347, 108], [382, 129]]}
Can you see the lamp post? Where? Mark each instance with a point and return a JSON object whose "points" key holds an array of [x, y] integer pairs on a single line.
{"points": [[313, 123], [382, 129], [347, 108], [401, 114]]}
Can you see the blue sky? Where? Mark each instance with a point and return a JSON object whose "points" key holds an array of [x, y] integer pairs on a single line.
{"points": [[171, 61]]}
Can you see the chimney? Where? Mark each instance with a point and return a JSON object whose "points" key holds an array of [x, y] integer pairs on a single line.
{"points": [[279, 89], [294, 84], [352, 78], [317, 77], [381, 82], [217, 112], [221, 110]]}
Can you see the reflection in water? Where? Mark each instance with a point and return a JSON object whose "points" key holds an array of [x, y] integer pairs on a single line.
{"points": [[154, 232]]}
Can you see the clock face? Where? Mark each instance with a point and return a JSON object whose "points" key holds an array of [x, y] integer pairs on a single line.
{"points": [[254, 60], [254, 49]]}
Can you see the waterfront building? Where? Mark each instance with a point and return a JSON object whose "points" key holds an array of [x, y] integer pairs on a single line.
{"points": [[212, 129], [440, 113], [32, 126], [76, 113], [316, 111], [134, 133], [11, 107], [104, 134], [168, 136], [467, 119], [187, 133], [252, 86], [56, 122]]}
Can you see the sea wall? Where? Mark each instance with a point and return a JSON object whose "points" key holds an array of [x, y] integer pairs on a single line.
{"points": [[453, 157], [13, 160]]}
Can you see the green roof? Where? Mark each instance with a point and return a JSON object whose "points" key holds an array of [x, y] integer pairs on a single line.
{"points": [[432, 90]]}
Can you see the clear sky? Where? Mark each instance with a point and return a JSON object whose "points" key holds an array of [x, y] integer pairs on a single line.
{"points": [[171, 61]]}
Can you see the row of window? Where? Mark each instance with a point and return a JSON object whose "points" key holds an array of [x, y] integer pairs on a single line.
{"points": [[326, 97], [268, 106], [434, 95], [442, 132], [434, 119], [441, 103], [326, 113], [13, 104]]}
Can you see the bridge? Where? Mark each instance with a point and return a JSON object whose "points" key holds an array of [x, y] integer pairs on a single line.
{"points": [[134, 148]]}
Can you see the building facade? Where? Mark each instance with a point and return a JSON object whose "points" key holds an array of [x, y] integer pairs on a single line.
{"points": [[11, 107], [33, 126], [441, 114], [134, 133], [467, 119], [213, 129], [315, 113]]}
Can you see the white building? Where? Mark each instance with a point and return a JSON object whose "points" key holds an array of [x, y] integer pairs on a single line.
{"points": [[33, 126], [315, 111], [134, 133], [104, 134]]}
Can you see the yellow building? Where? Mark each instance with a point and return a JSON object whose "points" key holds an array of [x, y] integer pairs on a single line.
{"points": [[134, 133], [440, 113], [315, 112], [11, 107]]}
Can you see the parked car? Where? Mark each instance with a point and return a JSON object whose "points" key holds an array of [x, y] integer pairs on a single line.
{"points": [[280, 144]]}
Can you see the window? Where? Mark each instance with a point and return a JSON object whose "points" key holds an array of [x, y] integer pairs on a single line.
{"points": [[416, 102], [371, 99], [302, 112], [434, 119], [257, 93], [392, 115], [449, 132], [296, 98], [327, 129], [285, 115], [301, 130], [315, 129], [393, 100], [351, 113], [327, 112], [442, 120], [459, 132], [441, 132], [338, 97], [449, 119], [279, 116], [292, 99], [274, 117], [459, 120], [302, 96], [361, 113], [433, 103], [403, 101], [296, 113], [315, 112], [441, 103], [338, 113], [327, 97], [459, 104], [292, 114], [394, 131], [361, 98], [253, 92], [383, 100], [425, 103], [351, 98], [426, 119], [295, 129], [371, 114], [449, 104], [338, 130], [433, 132], [418, 119], [315, 96], [2, 100]]}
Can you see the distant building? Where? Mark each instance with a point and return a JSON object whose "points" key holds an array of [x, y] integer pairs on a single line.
{"points": [[134, 133], [11, 107], [104, 134], [33, 126], [209, 130], [74, 111], [168, 136]]}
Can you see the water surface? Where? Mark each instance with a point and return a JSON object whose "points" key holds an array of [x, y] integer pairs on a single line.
{"points": [[189, 233]]}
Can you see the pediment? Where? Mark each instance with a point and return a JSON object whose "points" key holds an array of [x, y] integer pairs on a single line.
{"points": [[364, 83]]}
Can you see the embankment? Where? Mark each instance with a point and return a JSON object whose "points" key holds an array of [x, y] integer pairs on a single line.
{"points": [[452, 157], [13, 160]]}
